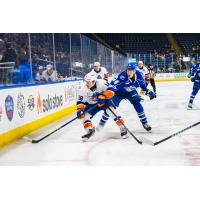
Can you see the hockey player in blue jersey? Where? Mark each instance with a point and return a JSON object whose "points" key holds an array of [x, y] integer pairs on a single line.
{"points": [[125, 88], [194, 74]]}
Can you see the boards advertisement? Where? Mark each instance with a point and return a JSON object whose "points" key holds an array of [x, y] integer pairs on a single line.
{"points": [[21, 105]]}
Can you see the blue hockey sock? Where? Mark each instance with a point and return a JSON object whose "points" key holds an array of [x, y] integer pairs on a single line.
{"points": [[142, 117], [104, 119]]}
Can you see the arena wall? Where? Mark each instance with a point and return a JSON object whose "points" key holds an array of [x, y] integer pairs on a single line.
{"points": [[163, 77], [26, 108]]}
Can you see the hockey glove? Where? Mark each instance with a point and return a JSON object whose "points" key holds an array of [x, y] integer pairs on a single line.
{"points": [[80, 111], [101, 100], [150, 94], [80, 114], [142, 92], [192, 78]]}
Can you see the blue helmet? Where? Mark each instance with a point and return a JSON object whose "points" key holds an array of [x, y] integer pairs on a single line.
{"points": [[131, 66]]}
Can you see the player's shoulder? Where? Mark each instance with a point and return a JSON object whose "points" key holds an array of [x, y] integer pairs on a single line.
{"points": [[101, 82], [92, 71], [146, 69], [122, 76], [103, 69], [44, 72], [138, 72]]}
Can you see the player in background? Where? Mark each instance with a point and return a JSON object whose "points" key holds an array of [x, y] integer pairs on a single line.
{"points": [[100, 72], [194, 74], [125, 88], [50, 75], [96, 92], [144, 71], [39, 75], [152, 75]]}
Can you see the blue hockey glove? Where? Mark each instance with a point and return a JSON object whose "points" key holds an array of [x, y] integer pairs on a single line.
{"points": [[192, 79], [150, 94], [80, 114]]}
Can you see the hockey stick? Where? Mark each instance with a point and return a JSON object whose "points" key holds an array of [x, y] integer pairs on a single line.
{"points": [[150, 142], [138, 141], [39, 140]]}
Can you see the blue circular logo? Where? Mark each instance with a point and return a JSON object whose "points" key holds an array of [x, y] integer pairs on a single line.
{"points": [[9, 107]]}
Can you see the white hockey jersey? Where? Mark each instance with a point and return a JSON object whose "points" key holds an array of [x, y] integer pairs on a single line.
{"points": [[144, 71], [102, 74], [87, 95], [39, 77], [50, 78]]}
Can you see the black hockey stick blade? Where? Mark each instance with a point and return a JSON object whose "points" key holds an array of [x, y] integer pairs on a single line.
{"points": [[34, 141], [147, 141]]}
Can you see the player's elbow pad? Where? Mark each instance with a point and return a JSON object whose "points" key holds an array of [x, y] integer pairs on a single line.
{"points": [[108, 94]]}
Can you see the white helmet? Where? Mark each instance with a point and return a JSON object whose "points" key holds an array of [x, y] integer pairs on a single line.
{"points": [[140, 62], [90, 77], [49, 66], [97, 64]]}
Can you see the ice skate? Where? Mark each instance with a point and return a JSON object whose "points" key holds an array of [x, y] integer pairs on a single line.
{"points": [[147, 127], [189, 107], [124, 133], [88, 135]]}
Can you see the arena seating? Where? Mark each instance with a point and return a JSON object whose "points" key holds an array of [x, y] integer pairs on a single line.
{"points": [[187, 41], [138, 42]]}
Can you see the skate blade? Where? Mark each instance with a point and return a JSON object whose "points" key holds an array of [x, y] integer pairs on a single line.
{"points": [[125, 136], [84, 139]]}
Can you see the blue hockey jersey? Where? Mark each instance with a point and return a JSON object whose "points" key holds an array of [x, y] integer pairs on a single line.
{"points": [[124, 84], [193, 70], [196, 77]]}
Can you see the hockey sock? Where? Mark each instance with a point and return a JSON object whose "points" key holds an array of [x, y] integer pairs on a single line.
{"points": [[191, 99], [142, 117], [104, 119]]}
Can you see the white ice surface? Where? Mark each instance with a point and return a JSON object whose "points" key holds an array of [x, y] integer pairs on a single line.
{"points": [[166, 114]]}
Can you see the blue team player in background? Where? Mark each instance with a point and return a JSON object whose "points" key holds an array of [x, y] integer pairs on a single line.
{"points": [[125, 88], [194, 74]]}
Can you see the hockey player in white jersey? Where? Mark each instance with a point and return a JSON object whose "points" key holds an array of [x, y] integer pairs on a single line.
{"points": [[98, 93], [144, 71], [100, 72], [49, 74]]}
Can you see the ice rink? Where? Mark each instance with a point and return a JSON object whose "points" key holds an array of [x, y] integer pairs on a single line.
{"points": [[166, 114]]}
